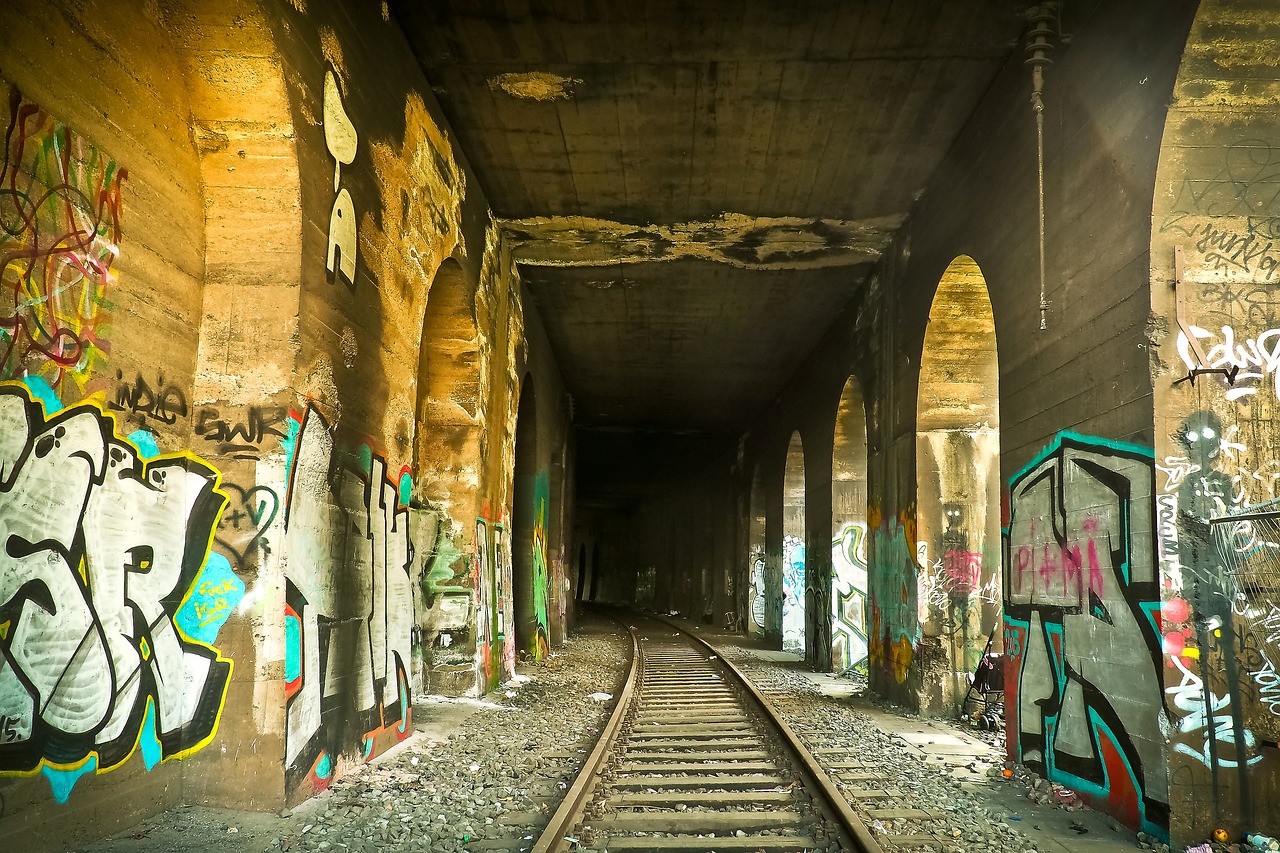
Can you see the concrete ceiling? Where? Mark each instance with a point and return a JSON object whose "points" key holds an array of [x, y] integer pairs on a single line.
{"points": [[694, 188]]}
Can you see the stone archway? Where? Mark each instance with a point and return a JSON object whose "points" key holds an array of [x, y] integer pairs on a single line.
{"points": [[849, 532], [958, 482], [1215, 264]]}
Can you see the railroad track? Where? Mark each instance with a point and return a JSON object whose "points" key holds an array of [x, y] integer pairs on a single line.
{"points": [[693, 759]]}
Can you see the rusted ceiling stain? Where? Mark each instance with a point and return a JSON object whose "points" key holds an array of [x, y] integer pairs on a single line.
{"points": [[748, 242], [535, 85]]}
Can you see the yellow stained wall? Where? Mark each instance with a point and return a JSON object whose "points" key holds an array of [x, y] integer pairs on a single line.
{"points": [[284, 388]]}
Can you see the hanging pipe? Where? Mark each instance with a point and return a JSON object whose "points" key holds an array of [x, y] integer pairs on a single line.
{"points": [[1038, 46]]}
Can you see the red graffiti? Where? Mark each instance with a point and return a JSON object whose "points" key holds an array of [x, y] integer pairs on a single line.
{"points": [[1053, 562], [964, 570]]}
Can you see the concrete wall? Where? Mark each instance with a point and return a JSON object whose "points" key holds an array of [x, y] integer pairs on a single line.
{"points": [[235, 577], [1085, 676], [1216, 445]]}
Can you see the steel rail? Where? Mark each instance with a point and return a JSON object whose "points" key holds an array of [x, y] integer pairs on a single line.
{"points": [[811, 772], [568, 815]]}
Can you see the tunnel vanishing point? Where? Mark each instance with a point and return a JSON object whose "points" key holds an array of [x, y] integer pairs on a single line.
{"points": [[348, 348]]}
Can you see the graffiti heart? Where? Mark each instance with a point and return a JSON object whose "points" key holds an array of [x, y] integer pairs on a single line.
{"points": [[109, 596]]}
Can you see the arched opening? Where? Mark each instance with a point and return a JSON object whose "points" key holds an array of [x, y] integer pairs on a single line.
{"points": [[446, 445], [528, 532], [756, 586], [793, 578], [849, 532], [958, 481]]}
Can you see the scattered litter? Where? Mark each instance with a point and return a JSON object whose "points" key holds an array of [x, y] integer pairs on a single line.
{"points": [[413, 760], [1200, 848], [232, 829], [600, 697]]}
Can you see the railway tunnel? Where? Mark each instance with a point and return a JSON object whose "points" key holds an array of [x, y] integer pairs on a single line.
{"points": [[353, 355]]}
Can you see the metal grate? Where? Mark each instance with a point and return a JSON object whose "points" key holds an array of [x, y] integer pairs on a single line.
{"points": [[1248, 542]]}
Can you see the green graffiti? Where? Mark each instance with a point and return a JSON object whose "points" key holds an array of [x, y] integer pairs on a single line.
{"points": [[541, 500]]}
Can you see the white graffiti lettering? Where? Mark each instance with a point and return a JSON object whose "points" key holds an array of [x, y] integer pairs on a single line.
{"points": [[348, 551], [1254, 358], [1207, 713], [102, 611]]}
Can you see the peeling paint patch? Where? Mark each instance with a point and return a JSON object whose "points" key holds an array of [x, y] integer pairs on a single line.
{"points": [[535, 85], [349, 347], [736, 239], [332, 50], [319, 388]]}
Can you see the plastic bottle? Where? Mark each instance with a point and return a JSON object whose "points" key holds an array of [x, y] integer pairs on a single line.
{"points": [[1262, 842]]}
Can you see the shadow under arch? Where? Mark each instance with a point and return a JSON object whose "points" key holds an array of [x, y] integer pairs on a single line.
{"points": [[958, 548], [447, 434]]}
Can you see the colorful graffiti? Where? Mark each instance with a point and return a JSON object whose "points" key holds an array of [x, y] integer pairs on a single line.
{"points": [[1082, 626], [348, 605], [894, 627], [540, 641], [793, 594], [849, 602], [488, 628], [755, 591], [1218, 548], [60, 203], [110, 599], [503, 600]]}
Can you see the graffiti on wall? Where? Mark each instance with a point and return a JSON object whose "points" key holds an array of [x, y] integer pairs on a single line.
{"points": [[1223, 213], [341, 139], [894, 628], [1219, 629], [849, 602], [755, 591], [110, 599], [1253, 360], [793, 594], [503, 597], [60, 207], [348, 605], [488, 631], [540, 642], [1082, 626]]}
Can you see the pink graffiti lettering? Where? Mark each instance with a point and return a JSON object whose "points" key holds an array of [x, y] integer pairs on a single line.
{"points": [[1063, 562]]}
